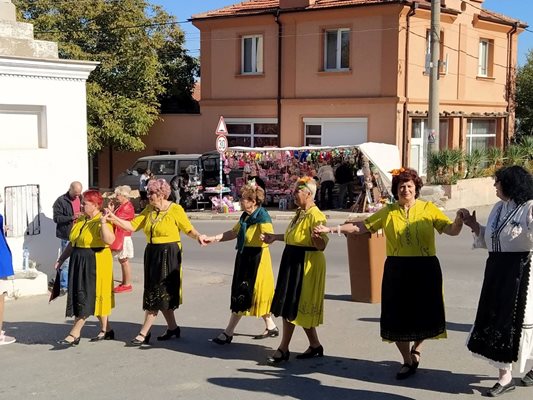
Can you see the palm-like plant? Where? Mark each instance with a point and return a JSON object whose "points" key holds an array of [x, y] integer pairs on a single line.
{"points": [[515, 155], [474, 162], [495, 159]]}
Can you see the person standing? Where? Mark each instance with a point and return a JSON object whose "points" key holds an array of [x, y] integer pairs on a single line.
{"points": [[67, 209], [252, 286], [161, 221], [503, 328], [90, 289], [326, 177], [6, 270], [143, 182], [299, 293], [412, 304], [122, 247], [345, 180]]}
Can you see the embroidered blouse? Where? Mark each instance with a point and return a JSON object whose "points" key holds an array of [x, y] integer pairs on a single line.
{"points": [[162, 226], [509, 228], [411, 234]]}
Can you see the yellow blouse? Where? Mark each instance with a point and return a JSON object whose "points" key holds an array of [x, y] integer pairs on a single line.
{"points": [[162, 226], [412, 235], [253, 234], [299, 230], [85, 233]]}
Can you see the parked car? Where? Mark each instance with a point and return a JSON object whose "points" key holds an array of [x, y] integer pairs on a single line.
{"points": [[165, 167]]}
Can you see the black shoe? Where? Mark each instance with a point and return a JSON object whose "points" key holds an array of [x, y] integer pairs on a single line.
{"points": [[527, 380], [498, 390], [225, 340], [63, 291], [311, 352], [65, 342], [268, 333], [169, 333], [276, 360], [109, 335], [146, 339], [409, 370]]}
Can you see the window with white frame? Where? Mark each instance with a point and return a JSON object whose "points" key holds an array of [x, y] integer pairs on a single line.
{"points": [[337, 49], [257, 132], [335, 131], [485, 58], [252, 54], [481, 134]]}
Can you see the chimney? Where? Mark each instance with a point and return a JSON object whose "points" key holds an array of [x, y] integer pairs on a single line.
{"points": [[7, 11], [287, 4]]}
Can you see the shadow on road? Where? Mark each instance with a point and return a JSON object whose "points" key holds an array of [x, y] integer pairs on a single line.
{"points": [[290, 379]]}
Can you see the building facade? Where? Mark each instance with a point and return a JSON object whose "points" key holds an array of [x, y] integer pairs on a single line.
{"points": [[43, 130], [338, 72]]}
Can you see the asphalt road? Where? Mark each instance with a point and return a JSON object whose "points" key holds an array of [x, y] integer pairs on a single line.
{"points": [[357, 364]]}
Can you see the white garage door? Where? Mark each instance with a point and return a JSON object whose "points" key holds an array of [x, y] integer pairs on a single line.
{"points": [[335, 131]]}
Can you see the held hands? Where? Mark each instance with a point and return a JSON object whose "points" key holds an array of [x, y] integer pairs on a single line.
{"points": [[202, 240], [317, 230], [469, 219], [210, 239], [268, 238]]}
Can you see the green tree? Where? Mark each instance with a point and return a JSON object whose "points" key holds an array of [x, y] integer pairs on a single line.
{"points": [[142, 62], [524, 98]]}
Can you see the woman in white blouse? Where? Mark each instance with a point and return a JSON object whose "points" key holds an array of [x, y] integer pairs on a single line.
{"points": [[503, 329]]}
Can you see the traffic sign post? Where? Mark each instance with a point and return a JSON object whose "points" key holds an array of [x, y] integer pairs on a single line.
{"points": [[221, 146], [221, 127]]}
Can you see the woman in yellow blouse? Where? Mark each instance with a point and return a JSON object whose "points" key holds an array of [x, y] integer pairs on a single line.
{"points": [[299, 294], [161, 221], [412, 305], [252, 287], [90, 288]]}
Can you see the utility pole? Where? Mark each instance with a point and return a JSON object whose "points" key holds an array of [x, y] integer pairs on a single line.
{"points": [[433, 107]]}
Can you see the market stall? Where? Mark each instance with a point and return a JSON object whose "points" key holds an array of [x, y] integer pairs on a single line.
{"points": [[279, 168]]}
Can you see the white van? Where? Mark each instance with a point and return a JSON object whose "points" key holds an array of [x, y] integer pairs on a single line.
{"points": [[164, 167]]}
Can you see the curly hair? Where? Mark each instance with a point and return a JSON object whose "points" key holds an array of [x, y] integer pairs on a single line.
{"points": [[93, 196], [253, 192], [516, 183], [408, 174], [158, 186]]}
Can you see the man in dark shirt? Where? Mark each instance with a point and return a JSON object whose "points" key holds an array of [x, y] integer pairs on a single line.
{"points": [[344, 177], [67, 208]]}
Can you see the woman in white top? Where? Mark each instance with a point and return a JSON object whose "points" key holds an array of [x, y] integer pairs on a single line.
{"points": [[503, 329]]}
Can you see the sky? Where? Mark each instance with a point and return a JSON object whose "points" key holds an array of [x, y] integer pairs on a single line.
{"points": [[184, 9]]}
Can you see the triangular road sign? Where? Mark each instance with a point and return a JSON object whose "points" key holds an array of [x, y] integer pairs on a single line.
{"points": [[221, 127]]}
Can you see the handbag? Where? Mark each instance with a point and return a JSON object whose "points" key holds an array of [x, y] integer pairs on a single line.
{"points": [[119, 239]]}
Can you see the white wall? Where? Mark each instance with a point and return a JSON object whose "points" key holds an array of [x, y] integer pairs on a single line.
{"points": [[45, 98]]}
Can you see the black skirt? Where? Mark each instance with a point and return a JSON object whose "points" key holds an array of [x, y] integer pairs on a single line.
{"points": [[244, 276], [81, 296], [289, 284], [162, 277], [412, 305], [500, 313]]}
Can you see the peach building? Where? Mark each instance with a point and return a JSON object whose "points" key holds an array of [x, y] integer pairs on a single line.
{"points": [[337, 72]]}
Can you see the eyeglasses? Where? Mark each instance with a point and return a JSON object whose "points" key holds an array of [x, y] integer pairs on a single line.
{"points": [[151, 193]]}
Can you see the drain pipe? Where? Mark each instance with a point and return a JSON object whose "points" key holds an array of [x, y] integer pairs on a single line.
{"points": [[508, 92], [406, 141], [278, 98]]}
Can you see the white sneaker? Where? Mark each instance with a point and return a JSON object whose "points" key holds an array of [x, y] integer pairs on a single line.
{"points": [[6, 339]]}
